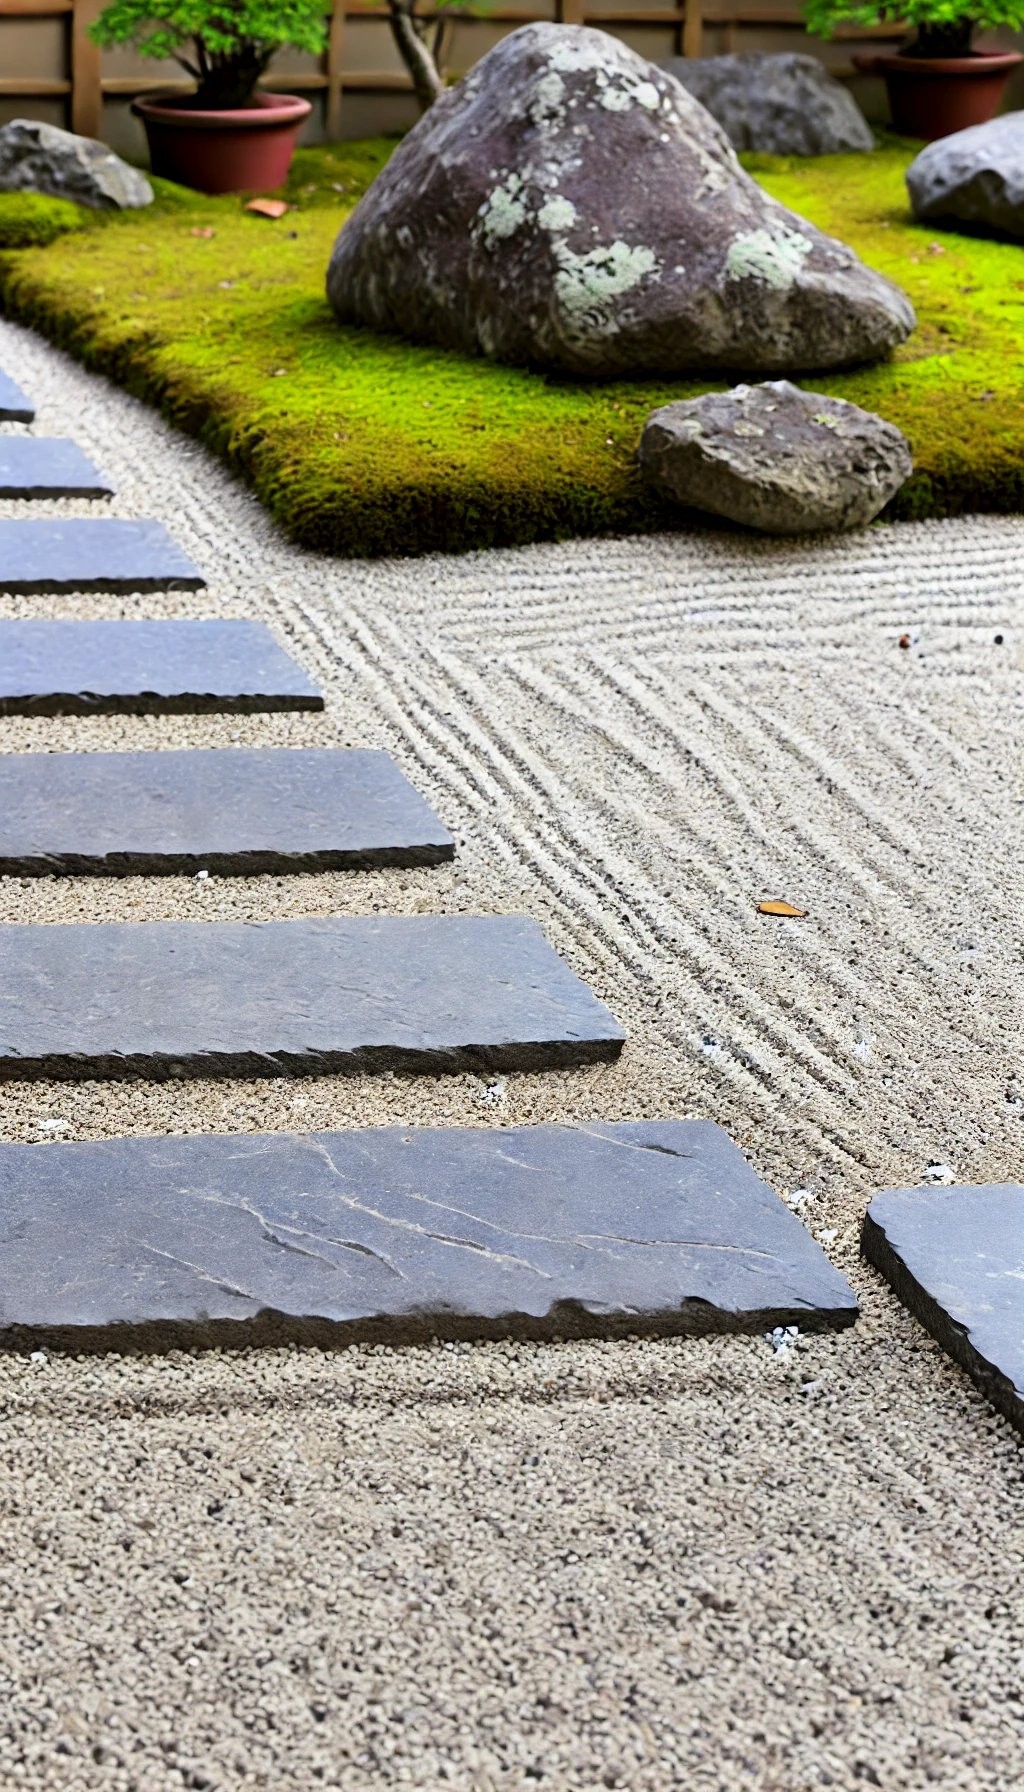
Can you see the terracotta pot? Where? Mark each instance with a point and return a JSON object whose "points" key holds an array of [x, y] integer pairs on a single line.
{"points": [[222, 152], [932, 96]]}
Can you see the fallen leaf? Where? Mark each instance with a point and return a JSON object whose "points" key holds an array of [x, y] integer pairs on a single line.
{"points": [[785, 909], [904, 641], [206, 230], [268, 208]]}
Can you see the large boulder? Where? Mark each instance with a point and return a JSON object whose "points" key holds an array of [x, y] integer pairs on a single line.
{"points": [[782, 105], [775, 458], [39, 158], [569, 206], [975, 177]]}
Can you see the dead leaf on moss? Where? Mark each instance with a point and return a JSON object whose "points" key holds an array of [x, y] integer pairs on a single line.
{"points": [[784, 909], [268, 208], [206, 230]]}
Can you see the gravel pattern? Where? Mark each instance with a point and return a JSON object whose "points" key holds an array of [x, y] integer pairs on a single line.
{"points": [[708, 1564]]}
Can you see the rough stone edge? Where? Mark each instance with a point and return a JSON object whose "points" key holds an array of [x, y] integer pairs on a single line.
{"points": [[244, 863], [550, 1054], [126, 586], [152, 703], [954, 1338], [565, 1320]]}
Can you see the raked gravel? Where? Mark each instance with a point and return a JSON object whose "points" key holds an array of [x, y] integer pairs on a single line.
{"points": [[708, 1564]]}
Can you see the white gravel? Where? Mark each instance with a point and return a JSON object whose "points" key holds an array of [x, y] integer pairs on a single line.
{"points": [[710, 1564]]}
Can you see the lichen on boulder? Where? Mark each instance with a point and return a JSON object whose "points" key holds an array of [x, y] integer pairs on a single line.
{"points": [[569, 206]]}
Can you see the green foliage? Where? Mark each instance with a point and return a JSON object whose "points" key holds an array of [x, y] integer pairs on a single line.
{"points": [[230, 42], [29, 220], [365, 444], [941, 21]]}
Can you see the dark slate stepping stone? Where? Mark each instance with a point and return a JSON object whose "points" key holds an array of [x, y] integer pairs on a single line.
{"points": [[139, 668], [955, 1257], [91, 554], [275, 998], [402, 1233], [226, 810], [14, 406], [34, 467]]}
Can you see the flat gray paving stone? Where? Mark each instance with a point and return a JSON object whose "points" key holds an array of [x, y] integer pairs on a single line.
{"points": [[277, 998], [41, 467], [955, 1257], [399, 1233], [228, 810], [142, 668], [14, 406], [55, 554]]}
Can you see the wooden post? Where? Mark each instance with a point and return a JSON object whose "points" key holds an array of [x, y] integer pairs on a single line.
{"points": [[86, 92], [693, 29], [569, 12], [333, 70]]}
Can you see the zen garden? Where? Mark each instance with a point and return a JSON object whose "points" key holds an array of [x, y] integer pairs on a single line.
{"points": [[512, 864]]}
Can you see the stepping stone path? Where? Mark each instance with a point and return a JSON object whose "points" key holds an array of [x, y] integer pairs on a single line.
{"points": [[140, 668], [91, 554], [269, 998], [14, 406], [955, 1257], [653, 1226], [34, 467], [228, 810], [396, 1233]]}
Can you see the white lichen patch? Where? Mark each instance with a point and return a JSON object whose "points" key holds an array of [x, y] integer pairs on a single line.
{"points": [[557, 213], [630, 93], [547, 103], [588, 288], [503, 211], [777, 260]]}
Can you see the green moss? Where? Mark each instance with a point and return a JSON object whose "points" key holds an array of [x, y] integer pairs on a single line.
{"points": [[30, 220], [362, 444]]}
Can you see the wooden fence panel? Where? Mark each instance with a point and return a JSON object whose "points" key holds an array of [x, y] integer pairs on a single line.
{"points": [[353, 65]]}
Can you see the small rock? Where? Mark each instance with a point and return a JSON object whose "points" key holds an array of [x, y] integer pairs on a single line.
{"points": [[39, 158], [782, 105], [974, 177], [775, 458]]}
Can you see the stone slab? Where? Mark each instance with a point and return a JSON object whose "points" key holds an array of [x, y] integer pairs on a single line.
{"points": [[278, 998], [57, 554], [14, 406], [955, 1257], [229, 810], [399, 1233], [48, 467], [175, 668]]}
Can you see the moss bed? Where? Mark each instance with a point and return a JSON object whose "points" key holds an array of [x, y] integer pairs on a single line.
{"points": [[362, 444]]}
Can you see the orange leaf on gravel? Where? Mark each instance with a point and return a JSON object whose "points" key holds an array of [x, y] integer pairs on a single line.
{"points": [[785, 909]]}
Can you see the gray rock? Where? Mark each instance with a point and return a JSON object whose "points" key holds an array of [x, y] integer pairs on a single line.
{"points": [[39, 158], [272, 998], [402, 1232], [569, 206], [14, 406], [234, 811], [136, 668], [776, 459], [776, 105], [975, 177], [955, 1257], [48, 467], [91, 554]]}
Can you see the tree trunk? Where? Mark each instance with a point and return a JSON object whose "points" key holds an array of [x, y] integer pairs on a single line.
{"points": [[427, 83]]}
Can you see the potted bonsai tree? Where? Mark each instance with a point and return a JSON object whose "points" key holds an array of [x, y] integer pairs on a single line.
{"points": [[225, 137], [939, 82]]}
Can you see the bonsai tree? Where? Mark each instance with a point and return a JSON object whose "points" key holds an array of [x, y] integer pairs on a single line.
{"points": [[942, 28], [225, 45]]}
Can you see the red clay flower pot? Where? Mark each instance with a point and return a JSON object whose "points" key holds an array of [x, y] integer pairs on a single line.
{"points": [[222, 152], [933, 96]]}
